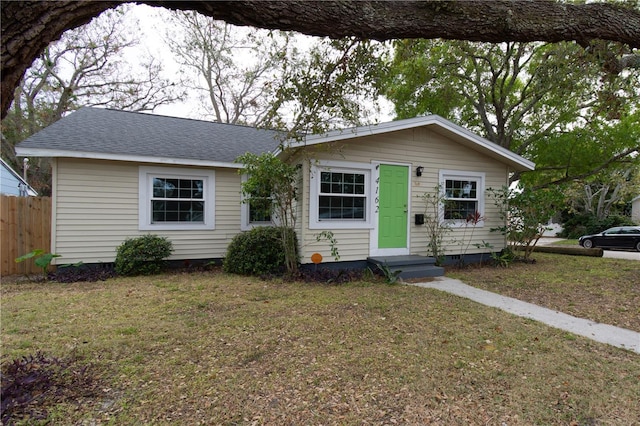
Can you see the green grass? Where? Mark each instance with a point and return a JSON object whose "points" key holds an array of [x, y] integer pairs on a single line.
{"points": [[211, 348], [566, 243]]}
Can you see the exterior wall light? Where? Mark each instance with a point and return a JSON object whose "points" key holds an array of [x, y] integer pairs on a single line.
{"points": [[419, 170]]}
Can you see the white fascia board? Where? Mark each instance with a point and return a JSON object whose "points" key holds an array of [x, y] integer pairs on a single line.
{"points": [[486, 144], [40, 152], [368, 130], [411, 123]]}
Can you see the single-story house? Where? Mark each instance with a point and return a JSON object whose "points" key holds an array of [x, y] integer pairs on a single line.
{"points": [[120, 174], [11, 183]]}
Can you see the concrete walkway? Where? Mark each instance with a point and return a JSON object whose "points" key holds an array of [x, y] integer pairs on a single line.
{"points": [[615, 336]]}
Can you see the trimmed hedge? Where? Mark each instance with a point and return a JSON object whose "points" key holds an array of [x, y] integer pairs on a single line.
{"points": [[142, 255], [256, 252]]}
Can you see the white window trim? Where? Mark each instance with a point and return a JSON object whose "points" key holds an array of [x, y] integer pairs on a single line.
{"points": [[245, 225], [314, 193], [145, 185], [463, 175]]}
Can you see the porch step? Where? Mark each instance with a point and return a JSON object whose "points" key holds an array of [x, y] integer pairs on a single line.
{"points": [[411, 266]]}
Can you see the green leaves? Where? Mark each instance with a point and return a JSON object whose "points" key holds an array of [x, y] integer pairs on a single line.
{"points": [[260, 251], [45, 260], [329, 87], [525, 213], [42, 259], [550, 103], [269, 176], [142, 255], [30, 255]]}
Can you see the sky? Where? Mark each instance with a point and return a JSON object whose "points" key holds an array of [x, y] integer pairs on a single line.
{"points": [[151, 33]]}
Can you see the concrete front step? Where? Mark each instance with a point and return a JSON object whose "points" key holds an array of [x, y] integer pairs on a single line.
{"points": [[410, 266]]}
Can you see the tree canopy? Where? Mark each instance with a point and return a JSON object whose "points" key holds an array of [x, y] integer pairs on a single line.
{"points": [[546, 101], [28, 27]]}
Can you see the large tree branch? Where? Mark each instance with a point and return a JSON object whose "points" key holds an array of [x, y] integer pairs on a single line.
{"points": [[29, 26], [591, 172]]}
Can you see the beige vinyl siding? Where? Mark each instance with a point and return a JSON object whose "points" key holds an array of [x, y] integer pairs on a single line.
{"points": [[417, 147], [352, 243], [96, 206]]}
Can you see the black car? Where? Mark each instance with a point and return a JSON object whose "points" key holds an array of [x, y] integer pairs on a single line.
{"points": [[620, 237]]}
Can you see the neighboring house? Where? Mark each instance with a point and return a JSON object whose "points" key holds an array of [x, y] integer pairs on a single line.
{"points": [[635, 210], [11, 183], [120, 174]]}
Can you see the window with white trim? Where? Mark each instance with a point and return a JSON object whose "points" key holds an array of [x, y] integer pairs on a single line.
{"points": [[340, 195], [257, 209], [175, 198], [463, 195]]}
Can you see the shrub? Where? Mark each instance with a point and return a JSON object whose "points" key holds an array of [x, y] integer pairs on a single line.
{"points": [[142, 255], [257, 252], [586, 224]]}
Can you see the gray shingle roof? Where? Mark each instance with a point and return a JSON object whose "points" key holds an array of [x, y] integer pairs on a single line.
{"points": [[106, 131]]}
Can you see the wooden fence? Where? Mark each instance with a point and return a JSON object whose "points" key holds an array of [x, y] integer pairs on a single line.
{"points": [[25, 226]]}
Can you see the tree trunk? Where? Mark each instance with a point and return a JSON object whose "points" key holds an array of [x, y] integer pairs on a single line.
{"points": [[573, 251], [29, 26]]}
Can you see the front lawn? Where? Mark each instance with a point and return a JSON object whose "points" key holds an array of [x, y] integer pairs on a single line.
{"points": [[210, 348], [602, 290]]}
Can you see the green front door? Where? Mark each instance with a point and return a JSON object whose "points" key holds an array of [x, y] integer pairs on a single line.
{"points": [[393, 208]]}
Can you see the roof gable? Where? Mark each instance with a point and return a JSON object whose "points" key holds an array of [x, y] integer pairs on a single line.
{"points": [[131, 136], [437, 124]]}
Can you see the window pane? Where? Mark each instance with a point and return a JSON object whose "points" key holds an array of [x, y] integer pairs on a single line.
{"points": [[342, 183], [158, 209], [260, 210], [459, 210], [160, 187], [343, 196], [171, 188], [170, 209], [332, 207], [461, 188], [198, 189]]}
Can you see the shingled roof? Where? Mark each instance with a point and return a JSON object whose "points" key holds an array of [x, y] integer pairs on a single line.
{"points": [[121, 135]]}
